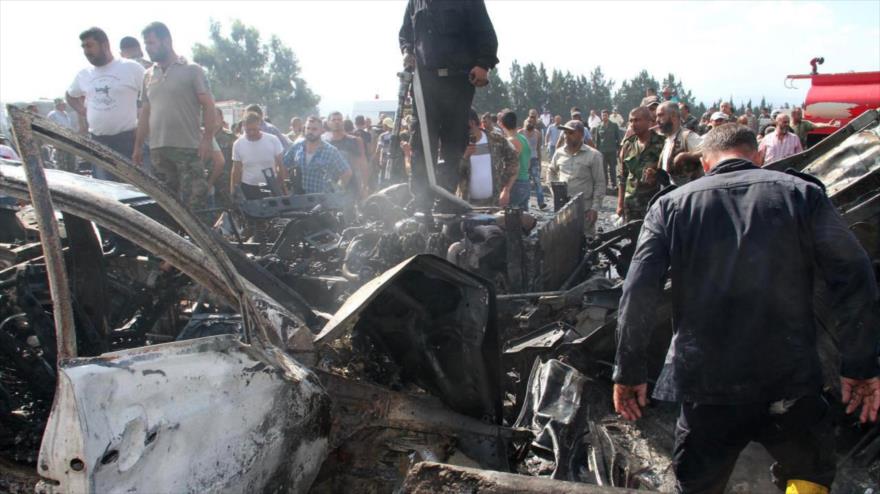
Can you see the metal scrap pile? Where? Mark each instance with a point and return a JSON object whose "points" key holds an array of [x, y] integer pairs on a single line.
{"points": [[371, 354]]}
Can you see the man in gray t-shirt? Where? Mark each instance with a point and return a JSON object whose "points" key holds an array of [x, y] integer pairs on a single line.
{"points": [[176, 101]]}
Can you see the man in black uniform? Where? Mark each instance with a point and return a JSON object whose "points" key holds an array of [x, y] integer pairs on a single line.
{"points": [[743, 246], [455, 46]]}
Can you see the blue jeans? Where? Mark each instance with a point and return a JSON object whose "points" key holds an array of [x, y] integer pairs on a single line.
{"points": [[535, 179], [519, 195]]}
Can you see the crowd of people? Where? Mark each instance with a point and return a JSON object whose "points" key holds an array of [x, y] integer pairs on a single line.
{"points": [[161, 113], [717, 245]]}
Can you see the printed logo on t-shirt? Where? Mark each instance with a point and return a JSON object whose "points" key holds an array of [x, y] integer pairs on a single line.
{"points": [[101, 87]]}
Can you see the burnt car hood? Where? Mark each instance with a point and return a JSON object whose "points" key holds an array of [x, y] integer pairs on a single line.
{"points": [[437, 324]]}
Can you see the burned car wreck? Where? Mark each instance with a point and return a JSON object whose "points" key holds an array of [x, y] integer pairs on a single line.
{"points": [[380, 352]]}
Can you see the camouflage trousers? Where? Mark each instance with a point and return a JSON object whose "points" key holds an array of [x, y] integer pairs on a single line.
{"points": [[635, 206], [182, 172]]}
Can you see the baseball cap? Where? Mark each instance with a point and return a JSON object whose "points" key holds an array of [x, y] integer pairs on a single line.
{"points": [[650, 100], [718, 116], [388, 122], [573, 126]]}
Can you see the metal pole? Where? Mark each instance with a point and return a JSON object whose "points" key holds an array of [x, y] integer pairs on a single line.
{"points": [[50, 238]]}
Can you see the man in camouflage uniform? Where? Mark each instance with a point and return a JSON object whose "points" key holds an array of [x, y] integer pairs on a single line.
{"points": [[637, 168], [176, 100], [504, 164]]}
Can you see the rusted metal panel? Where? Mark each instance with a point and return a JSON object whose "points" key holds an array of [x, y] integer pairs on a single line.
{"points": [[50, 237], [360, 405], [437, 478], [559, 246]]}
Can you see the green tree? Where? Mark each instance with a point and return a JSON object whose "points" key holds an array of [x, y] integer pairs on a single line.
{"points": [[241, 67], [517, 91], [558, 98], [493, 97], [631, 92], [600, 90], [534, 90]]}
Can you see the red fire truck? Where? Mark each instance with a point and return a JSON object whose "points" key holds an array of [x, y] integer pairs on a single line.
{"points": [[840, 97]]}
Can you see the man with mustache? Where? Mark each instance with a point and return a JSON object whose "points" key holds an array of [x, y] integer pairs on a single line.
{"points": [[317, 166], [681, 148], [178, 115], [105, 96]]}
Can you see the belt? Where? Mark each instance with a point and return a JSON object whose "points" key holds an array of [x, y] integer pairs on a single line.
{"points": [[451, 72]]}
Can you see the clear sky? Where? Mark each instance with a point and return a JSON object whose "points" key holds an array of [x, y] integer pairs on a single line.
{"points": [[348, 49]]}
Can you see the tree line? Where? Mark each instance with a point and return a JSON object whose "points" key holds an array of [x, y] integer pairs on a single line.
{"points": [[533, 86], [242, 66]]}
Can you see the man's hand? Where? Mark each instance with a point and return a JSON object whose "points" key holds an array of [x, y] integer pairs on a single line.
{"points": [[629, 400], [504, 197], [864, 393], [205, 148], [469, 151], [479, 76], [237, 195], [592, 215], [619, 210], [137, 157], [409, 61]]}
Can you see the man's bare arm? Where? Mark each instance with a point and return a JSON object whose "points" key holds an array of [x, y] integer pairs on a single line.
{"points": [[217, 162], [345, 177], [209, 123], [79, 106], [281, 173], [235, 176], [140, 136]]}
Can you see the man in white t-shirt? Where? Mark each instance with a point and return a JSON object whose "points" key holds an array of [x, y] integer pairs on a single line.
{"points": [[594, 120], [106, 95], [488, 168], [252, 153]]}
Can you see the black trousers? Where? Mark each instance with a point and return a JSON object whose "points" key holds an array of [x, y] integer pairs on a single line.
{"points": [[122, 143], [709, 438], [251, 192], [447, 102]]}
